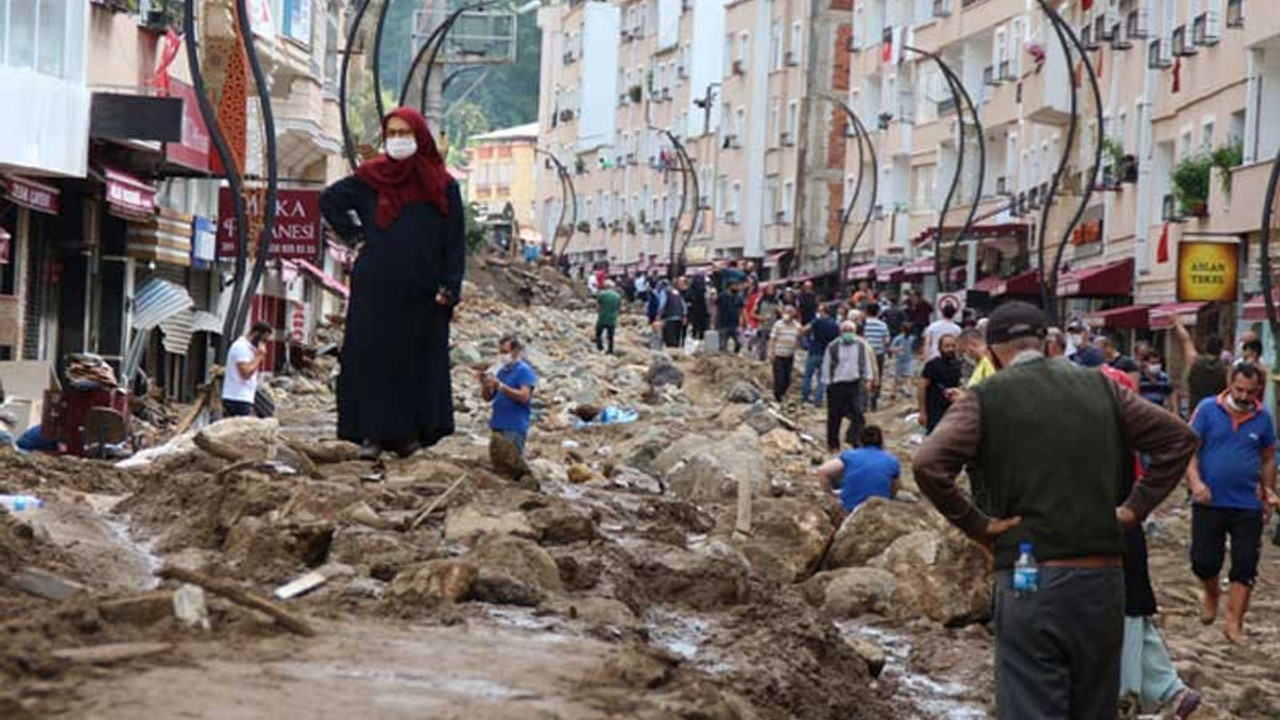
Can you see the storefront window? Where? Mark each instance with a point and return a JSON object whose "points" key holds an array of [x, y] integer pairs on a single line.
{"points": [[44, 35]]}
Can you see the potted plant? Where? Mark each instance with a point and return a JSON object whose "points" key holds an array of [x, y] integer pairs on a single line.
{"points": [[631, 226], [1191, 184], [1225, 159], [1113, 159], [637, 93], [579, 166], [584, 226]]}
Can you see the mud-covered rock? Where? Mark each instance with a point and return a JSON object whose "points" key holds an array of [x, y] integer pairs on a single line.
{"points": [[699, 580], [242, 438], [433, 582], [711, 471], [596, 612], [470, 522], [849, 593], [873, 526], [744, 392], [562, 524], [787, 540], [781, 440], [663, 372], [579, 473], [519, 559], [944, 577]]}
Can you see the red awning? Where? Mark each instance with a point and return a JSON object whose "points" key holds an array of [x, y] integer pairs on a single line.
{"points": [[1108, 280], [31, 194], [1162, 315], [976, 232], [1024, 284], [127, 194], [861, 272], [324, 279], [774, 257], [987, 284], [1128, 317], [1256, 309], [917, 268]]}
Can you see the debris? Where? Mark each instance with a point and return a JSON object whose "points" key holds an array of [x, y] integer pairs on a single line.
{"points": [[417, 520], [240, 438], [144, 609], [225, 589], [190, 608], [111, 653], [433, 582], [365, 515], [312, 580], [42, 583]]}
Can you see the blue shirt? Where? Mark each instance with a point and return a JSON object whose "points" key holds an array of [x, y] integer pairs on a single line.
{"points": [[877, 333], [868, 472], [823, 330], [1231, 453], [509, 415], [904, 347]]}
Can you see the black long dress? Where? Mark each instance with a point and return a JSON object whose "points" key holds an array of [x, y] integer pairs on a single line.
{"points": [[394, 383]]}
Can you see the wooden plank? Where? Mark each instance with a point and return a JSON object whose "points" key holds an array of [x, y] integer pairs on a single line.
{"points": [[112, 653], [44, 584], [229, 591]]}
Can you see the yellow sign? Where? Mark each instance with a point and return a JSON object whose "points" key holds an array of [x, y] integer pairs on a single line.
{"points": [[1208, 271]]}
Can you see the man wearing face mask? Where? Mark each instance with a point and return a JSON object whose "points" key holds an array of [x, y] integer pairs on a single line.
{"points": [[1154, 384], [847, 369], [940, 382], [784, 338], [394, 390], [510, 389], [1233, 483], [244, 361]]}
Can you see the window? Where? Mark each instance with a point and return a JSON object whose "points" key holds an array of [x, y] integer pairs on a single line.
{"points": [[720, 200], [770, 199], [775, 118], [797, 41], [859, 33], [729, 57], [45, 35], [739, 122], [744, 46], [332, 47], [296, 20], [1206, 134], [922, 189], [1184, 144], [735, 199], [793, 117], [788, 201], [775, 45]]}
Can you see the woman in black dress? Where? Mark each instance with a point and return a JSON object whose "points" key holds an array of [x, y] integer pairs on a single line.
{"points": [[394, 390]]}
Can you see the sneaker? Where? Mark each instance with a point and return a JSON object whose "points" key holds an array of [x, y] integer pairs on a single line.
{"points": [[1187, 702]]}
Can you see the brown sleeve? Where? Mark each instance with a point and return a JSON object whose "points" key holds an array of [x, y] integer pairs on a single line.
{"points": [[1164, 437], [944, 454]]}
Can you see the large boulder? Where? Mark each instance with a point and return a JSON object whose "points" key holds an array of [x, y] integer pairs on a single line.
{"points": [[873, 526], [675, 452], [710, 470], [513, 570], [787, 540], [940, 575], [433, 582], [663, 372], [702, 580], [744, 391], [241, 438], [469, 522], [849, 593]]}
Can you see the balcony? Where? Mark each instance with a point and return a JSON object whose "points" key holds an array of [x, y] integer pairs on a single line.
{"points": [[1137, 25], [899, 138], [307, 126], [1182, 48], [1001, 108], [1046, 95], [1242, 211]]}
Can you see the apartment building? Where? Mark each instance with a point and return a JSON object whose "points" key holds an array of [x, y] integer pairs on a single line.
{"points": [[1180, 81], [501, 172], [631, 89]]}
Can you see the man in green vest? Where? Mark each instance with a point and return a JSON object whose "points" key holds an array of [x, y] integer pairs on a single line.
{"points": [[1053, 443], [608, 303]]}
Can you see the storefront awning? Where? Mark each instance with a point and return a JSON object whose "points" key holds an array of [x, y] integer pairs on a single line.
{"points": [[692, 270], [165, 237], [987, 284], [918, 268], [1256, 309], [158, 300], [325, 280], [1111, 280], [1129, 317], [128, 196], [774, 257], [31, 194], [861, 272], [1162, 315], [1024, 284], [178, 329], [976, 232]]}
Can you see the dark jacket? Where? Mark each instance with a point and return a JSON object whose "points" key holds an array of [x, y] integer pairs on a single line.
{"points": [[1052, 442]]}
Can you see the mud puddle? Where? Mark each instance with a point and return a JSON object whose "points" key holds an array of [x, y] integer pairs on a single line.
{"points": [[118, 562], [922, 696]]}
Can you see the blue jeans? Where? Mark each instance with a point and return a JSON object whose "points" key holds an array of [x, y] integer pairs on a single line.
{"points": [[812, 369], [516, 438]]}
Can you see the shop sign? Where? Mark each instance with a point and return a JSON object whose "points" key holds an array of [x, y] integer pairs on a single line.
{"points": [[193, 150], [203, 243], [296, 234], [299, 322], [1208, 271], [32, 195], [130, 195]]}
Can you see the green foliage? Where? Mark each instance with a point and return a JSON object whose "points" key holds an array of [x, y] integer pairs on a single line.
{"points": [[467, 119], [508, 95], [1191, 181], [1226, 157], [475, 232], [1113, 149]]}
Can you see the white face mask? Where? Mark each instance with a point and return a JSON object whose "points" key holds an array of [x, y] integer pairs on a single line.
{"points": [[506, 358], [1155, 368], [1231, 403], [399, 148]]}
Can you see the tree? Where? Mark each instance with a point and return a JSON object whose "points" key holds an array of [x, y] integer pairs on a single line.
{"points": [[465, 120]]}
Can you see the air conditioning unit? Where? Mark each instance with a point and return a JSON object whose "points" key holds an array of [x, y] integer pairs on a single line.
{"points": [[739, 67], [1204, 29], [941, 8]]}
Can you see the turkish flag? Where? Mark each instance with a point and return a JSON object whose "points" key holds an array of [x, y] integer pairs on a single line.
{"points": [[1086, 4], [1162, 250], [1177, 74]]}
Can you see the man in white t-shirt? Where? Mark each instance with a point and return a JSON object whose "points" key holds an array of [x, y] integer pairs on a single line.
{"points": [[939, 328], [244, 361]]}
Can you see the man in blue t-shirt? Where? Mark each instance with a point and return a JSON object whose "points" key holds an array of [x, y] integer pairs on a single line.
{"points": [[865, 472], [1233, 483], [820, 332], [510, 389]]}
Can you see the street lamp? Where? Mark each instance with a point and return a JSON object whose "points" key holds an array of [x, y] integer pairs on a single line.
{"points": [[864, 146], [688, 173], [568, 195]]}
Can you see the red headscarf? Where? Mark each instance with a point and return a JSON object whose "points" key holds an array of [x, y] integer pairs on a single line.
{"points": [[419, 178]]}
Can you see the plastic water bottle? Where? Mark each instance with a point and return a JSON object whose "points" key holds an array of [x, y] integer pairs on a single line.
{"points": [[1026, 573], [19, 503]]}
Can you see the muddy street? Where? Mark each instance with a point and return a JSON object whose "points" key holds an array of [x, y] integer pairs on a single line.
{"points": [[625, 581]]}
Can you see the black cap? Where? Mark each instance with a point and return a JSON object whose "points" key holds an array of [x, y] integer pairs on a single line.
{"points": [[1014, 320]]}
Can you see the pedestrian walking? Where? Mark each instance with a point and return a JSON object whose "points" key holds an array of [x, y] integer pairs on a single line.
{"points": [[876, 331], [699, 309], [394, 390], [784, 340], [940, 383], [642, 288], [1251, 354], [1233, 485], [893, 316], [861, 473], [1051, 510], [675, 315], [1154, 384], [608, 305], [977, 351], [509, 388], [245, 358], [820, 333], [936, 330], [847, 370], [729, 318], [764, 314], [903, 351], [1206, 372], [920, 313], [654, 312], [808, 303]]}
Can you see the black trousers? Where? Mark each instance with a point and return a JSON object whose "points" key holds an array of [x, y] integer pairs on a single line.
{"points": [[782, 367], [236, 408], [845, 400], [672, 333], [727, 334], [1058, 649], [1210, 527], [873, 396], [601, 331]]}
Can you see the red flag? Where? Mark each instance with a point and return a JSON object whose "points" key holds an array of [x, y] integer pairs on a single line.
{"points": [[1086, 4], [1097, 66], [1162, 250], [172, 41], [1177, 74]]}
